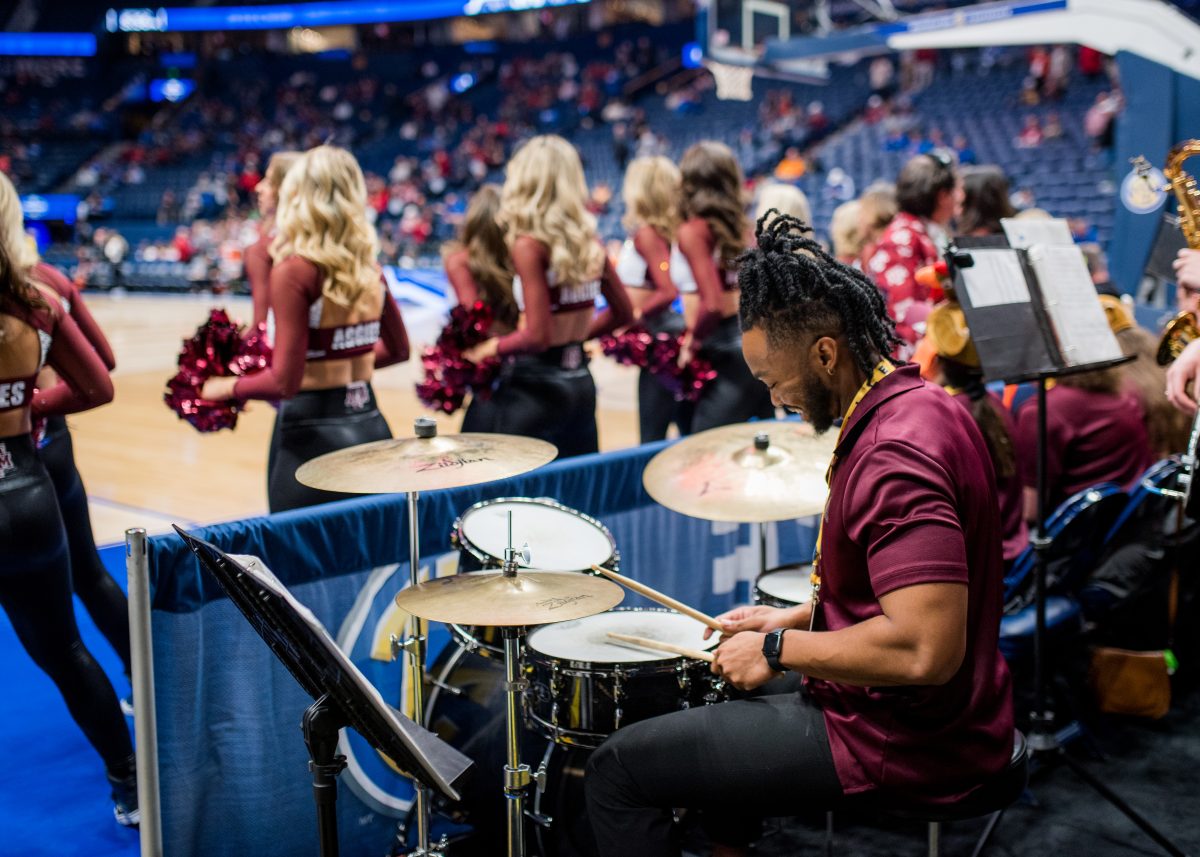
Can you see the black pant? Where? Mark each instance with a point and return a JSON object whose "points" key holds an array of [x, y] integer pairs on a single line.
{"points": [[311, 424], [104, 599], [550, 396], [735, 395], [657, 407], [736, 762], [35, 592]]}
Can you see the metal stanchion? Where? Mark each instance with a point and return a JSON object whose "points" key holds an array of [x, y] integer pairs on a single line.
{"points": [[137, 568]]}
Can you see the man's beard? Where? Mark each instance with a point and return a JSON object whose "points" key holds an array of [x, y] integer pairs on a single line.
{"points": [[817, 404]]}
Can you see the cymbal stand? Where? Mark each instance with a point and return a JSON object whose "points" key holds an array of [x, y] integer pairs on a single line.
{"points": [[762, 442], [516, 775], [414, 645]]}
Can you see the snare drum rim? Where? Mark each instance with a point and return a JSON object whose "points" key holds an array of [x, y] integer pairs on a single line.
{"points": [[770, 599], [578, 668], [459, 537]]}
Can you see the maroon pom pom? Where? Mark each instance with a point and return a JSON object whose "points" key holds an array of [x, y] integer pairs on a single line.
{"points": [[658, 353], [217, 349], [448, 375]]}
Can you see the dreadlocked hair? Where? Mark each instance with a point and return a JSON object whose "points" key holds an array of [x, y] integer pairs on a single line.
{"points": [[790, 285]]}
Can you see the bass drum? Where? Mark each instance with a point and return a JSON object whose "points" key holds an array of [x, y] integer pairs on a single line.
{"points": [[560, 822]]}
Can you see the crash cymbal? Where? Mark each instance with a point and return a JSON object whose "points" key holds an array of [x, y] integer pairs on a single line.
{"points": [[723, 474], [490, 598], [425, 463]]}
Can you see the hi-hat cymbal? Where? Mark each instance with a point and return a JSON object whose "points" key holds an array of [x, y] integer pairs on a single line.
{"points": [[490, 598], [425, 463], [729, 474]]}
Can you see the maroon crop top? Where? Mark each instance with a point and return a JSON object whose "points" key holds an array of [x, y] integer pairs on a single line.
{"points": [[83, 379], [539, 300], [297, 301], [698, 245]]}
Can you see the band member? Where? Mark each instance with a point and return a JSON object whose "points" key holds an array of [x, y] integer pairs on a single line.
{"points": [[957, 370], [479, 268], [929, 195], [335, 323], [1185, 371], [703, 265], [35, 564], [905, 692], [651, 195], [100, 594], [545, 389], [1095, 432], [257, 259]]}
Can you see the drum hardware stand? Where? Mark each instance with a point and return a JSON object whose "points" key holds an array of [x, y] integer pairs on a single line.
{"points": [[762, 442], [516, 775], [1044, 743]]}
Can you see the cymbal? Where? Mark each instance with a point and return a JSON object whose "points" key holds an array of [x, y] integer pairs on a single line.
{"points": [[722, 475], [491, 599], [425, 463]]}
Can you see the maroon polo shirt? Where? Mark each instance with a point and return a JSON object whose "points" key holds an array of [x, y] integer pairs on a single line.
{"points": [[1009, 490], [1090, 438], [912, 501]]}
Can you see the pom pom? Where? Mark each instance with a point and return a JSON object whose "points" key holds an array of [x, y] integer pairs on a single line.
{"points": [[448, 375], [217, 349], [658, 353]]}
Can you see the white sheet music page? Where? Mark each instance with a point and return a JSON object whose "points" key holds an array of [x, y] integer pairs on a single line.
{"points": [[1023, 234], [1071, 303], [996, 278]]}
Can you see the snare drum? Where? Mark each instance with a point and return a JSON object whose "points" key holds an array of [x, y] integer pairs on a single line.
{"points": [[785, 586], [584, 686], [560, 539]]}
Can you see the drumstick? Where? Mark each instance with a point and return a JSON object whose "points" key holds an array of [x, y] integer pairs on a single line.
{"points": [[658, 645], [664, 600]]}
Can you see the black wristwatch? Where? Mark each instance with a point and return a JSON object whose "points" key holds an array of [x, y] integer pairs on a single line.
{"points": [[773, 648]]}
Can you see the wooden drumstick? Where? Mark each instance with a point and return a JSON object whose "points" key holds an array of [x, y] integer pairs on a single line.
{"points": [[664, 600], [659, 645]]}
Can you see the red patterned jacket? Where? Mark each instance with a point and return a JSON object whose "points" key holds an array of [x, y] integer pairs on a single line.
{"points": [[904, 247]]}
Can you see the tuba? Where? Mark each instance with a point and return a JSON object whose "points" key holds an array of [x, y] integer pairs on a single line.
{"points": [[1183, 328]]}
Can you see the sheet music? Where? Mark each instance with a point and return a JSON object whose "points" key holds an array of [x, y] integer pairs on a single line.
{"points": [[1071, 303], [996, 278], [1023, 234], [446, 763]]}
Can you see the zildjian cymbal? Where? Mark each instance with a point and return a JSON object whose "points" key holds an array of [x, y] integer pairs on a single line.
{"points": [[772, 470], [491, 598], [408, 464]]}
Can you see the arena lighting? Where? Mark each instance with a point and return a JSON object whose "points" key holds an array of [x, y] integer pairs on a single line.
{"points": [[47, 45], [320, 14]]}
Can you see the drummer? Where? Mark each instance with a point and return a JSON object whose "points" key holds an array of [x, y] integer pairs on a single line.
{"points": [[905, 693]]}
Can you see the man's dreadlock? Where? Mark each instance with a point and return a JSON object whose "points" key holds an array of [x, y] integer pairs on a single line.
{"points": [[790, 285]]}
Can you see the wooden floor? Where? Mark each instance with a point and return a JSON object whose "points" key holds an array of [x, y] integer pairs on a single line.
{"points": [[144, 467]]}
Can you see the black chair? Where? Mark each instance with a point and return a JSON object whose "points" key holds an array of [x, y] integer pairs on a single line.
{"points": [[991, 800]]}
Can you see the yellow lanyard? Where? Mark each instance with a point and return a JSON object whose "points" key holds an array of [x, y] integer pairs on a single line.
{"points": [[882, 369]]}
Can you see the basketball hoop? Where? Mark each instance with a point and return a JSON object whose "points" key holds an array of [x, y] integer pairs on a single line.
{"points": [[734, 82]]}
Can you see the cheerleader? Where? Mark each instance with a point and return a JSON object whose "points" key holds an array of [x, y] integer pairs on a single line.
{"points": [[651, 194], [545, 389], [257, 258], [335, 323], [35, 564], [704, 268], [479, 268], [100, 594]]}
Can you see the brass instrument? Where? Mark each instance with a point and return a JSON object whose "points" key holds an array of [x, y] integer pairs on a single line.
{"points": [[1183, 328]]}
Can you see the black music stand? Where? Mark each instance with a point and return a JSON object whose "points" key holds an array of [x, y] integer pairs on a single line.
{"points": [[343, 696], [1010, 351]]}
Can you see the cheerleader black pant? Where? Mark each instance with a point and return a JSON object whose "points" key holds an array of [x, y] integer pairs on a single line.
{"points": [[35, 592], [550, 396], [657, 407], [101, 595], [311, 424], [735, 395]]}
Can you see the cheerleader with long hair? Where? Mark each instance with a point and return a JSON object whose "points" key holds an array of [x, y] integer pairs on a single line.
{"points": [[35, 561], [335, 323], [101, 595], [651, 193], [545, 388], [704, 267], [257, 259]]}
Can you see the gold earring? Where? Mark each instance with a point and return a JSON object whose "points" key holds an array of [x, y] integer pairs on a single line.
{"points": [[829, 369]]}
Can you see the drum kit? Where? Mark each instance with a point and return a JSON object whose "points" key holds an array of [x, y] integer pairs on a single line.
{"points": [[574, 668]]}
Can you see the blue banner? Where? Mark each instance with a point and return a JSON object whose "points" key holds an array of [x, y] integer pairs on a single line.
{"points": [[233, 765], [47, 45]]}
